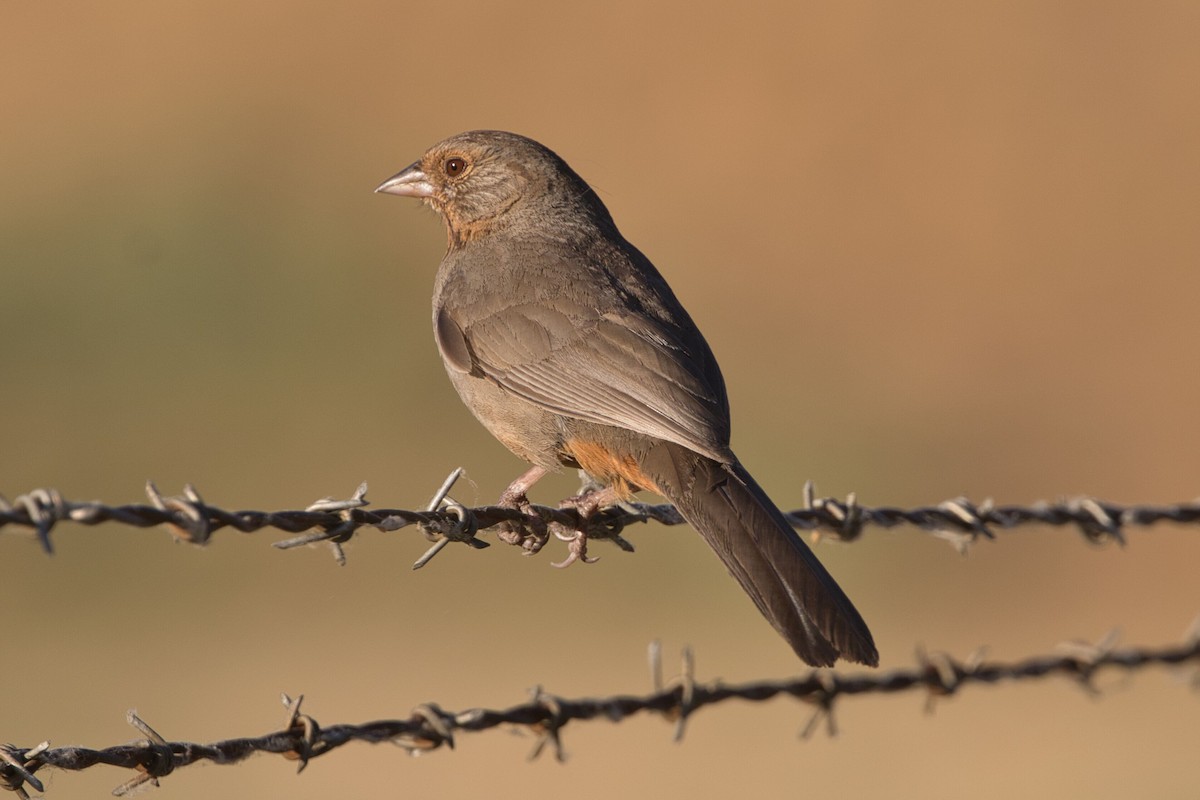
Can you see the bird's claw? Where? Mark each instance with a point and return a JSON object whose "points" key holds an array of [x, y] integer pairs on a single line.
{"points": [[576, 550], [586, 504]]}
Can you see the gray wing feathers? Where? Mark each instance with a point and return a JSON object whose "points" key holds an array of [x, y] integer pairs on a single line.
{"points": [[586, 369]]}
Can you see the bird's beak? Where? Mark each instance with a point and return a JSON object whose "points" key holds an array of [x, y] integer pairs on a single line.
{"points": [[408, 182]]}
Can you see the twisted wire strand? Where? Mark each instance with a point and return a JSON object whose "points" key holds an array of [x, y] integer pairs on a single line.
{"points": [[430, 727], [958, 521]]}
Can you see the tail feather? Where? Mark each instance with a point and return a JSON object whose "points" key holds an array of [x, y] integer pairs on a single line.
{"points": [[757, 545]]}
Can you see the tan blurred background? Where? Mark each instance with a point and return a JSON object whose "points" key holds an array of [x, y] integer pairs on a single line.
{"points": [[940, 249]]}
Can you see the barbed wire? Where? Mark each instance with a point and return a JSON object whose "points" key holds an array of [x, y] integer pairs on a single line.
{"points": [[959, 521], [429, 727]]}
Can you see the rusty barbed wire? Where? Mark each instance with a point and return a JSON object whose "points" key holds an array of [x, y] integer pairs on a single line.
{"points": [[429, 727], [959, 521]]}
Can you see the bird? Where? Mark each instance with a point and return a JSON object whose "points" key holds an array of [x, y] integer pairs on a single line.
{"points": [[568, 345]]}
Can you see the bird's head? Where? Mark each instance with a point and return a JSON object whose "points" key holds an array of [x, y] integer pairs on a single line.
{"points": [[481, 181]]}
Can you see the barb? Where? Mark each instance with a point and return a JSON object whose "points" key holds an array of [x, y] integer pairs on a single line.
{"points": [[430, 727], [959, 521]]}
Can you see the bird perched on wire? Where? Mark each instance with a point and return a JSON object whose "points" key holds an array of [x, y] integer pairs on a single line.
{"points": [[570, 347]]}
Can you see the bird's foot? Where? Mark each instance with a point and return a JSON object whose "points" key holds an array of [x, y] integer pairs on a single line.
{"points": [[531, 534], [585, 504]]}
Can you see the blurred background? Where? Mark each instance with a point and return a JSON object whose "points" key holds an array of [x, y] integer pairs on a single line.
{"points": [[940, 249]]}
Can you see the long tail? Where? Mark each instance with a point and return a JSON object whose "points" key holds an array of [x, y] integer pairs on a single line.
{"points": [[757, 545]]}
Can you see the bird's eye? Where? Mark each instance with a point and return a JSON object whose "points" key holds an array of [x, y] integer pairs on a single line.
{"points": [[455, 166]]}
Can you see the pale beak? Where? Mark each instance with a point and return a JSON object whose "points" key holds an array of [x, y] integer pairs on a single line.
{"points": [[408, 182]]}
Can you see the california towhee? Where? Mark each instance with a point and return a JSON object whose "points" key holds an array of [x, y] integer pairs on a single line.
{"points": [[568, 345]]}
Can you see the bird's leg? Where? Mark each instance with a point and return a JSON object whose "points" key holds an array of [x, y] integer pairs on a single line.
{"points": [[592, 499], [587, 483], [594, 495], [532, 535], [515, 495]]}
